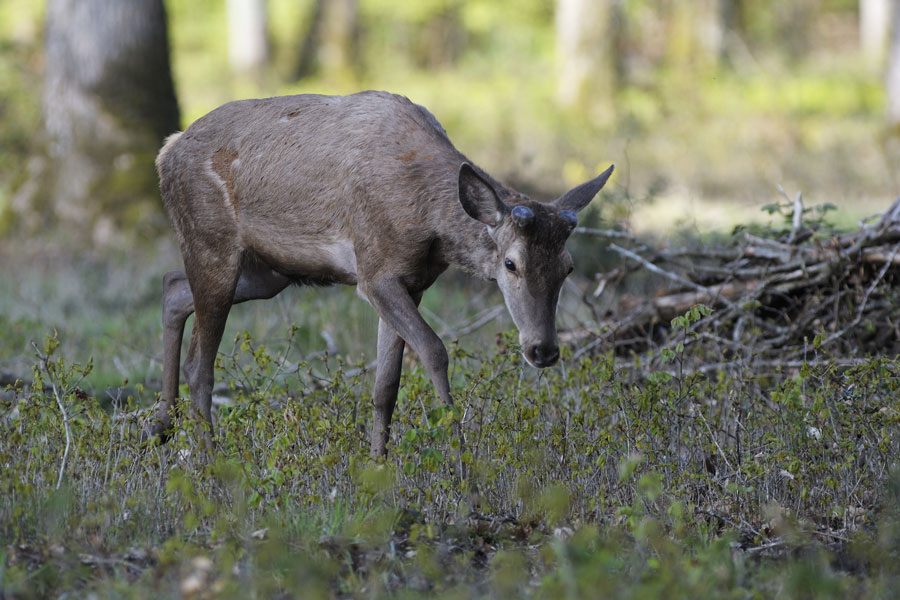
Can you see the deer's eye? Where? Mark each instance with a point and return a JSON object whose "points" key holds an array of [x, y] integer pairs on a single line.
{"points": [[571, 268], [510, 265]]}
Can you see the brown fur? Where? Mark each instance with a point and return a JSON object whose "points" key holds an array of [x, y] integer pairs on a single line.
{"points": [[221, 164], [364, 190]]}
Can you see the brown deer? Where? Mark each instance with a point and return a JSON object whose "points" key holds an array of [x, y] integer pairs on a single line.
{"points": [[363, 190]]}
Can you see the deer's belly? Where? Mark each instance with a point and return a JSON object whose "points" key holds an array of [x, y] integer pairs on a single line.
{"points": [[320, 261]]}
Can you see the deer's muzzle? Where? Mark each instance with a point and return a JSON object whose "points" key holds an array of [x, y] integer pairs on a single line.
{"points": [[542, 355]]}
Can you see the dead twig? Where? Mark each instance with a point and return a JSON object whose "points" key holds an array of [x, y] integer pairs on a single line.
{"points": [[865, 300], [668, 274]]}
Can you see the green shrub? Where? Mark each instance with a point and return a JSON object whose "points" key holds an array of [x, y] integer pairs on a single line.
{"points": [[588, 478]]}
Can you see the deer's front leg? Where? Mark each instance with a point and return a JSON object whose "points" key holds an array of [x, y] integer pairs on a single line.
{"points": [[398, 309], [387, 383]]}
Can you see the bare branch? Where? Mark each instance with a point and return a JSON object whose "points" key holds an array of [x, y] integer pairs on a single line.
{"points": [[773, 298]]}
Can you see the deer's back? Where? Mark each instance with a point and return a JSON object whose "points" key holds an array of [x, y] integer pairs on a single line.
{"points": [[333, 172]]}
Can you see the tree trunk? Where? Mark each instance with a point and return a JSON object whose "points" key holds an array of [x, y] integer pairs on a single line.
{"points": [[331, 44], [731, 13], [696, 32], [108, 103], [874, 28], [796, 20], [441, 40], [248, 38], [892, 76], [585, 49], [731, 30]]}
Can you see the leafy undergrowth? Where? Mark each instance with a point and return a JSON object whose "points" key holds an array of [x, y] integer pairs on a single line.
{"points": [[593, 479]]}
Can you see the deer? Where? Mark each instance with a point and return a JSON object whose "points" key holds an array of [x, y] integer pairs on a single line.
{"points": [[363, 190]]}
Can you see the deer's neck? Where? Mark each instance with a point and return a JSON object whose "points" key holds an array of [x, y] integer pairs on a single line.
{"points": [[464, 242], [470, 247]]}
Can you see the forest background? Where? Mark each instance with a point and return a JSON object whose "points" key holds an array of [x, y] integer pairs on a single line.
{"points": [[706, 106]]}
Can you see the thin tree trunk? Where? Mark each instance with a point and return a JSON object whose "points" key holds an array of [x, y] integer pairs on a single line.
{"points": [[892, 76], [331, 44], [585, 50], [248, 37], [874, 29], [696, 35]]}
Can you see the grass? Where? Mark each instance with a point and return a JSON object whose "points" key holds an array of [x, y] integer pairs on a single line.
{"points": [[627, 476], [592, 477]]}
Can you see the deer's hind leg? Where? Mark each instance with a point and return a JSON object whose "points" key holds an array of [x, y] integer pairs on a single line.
{"points": [[177, 306], [213, 279], [255, 281]]}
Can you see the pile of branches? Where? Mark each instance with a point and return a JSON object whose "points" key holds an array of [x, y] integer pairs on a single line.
{"points": [[781, 298]]}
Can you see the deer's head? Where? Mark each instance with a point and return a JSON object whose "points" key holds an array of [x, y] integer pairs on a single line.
{"points": [[531, 261]]}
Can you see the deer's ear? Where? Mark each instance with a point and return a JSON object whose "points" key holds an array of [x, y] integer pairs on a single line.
{"points": [[579, 197], [478, 197]]}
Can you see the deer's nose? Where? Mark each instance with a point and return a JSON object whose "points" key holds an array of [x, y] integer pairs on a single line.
{"points": [[543, 355]]}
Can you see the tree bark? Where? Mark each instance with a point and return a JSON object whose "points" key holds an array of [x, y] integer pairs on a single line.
{"points": [[796, 21], [696, 32], [108, 103]]}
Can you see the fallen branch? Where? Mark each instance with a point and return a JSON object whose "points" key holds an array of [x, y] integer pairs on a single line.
{"points": [[774, 296]]}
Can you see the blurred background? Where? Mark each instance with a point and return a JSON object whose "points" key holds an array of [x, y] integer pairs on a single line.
{"points": [[705, 107]]}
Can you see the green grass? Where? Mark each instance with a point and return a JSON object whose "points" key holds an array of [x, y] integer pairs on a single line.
{"points": [[592, 477]]}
